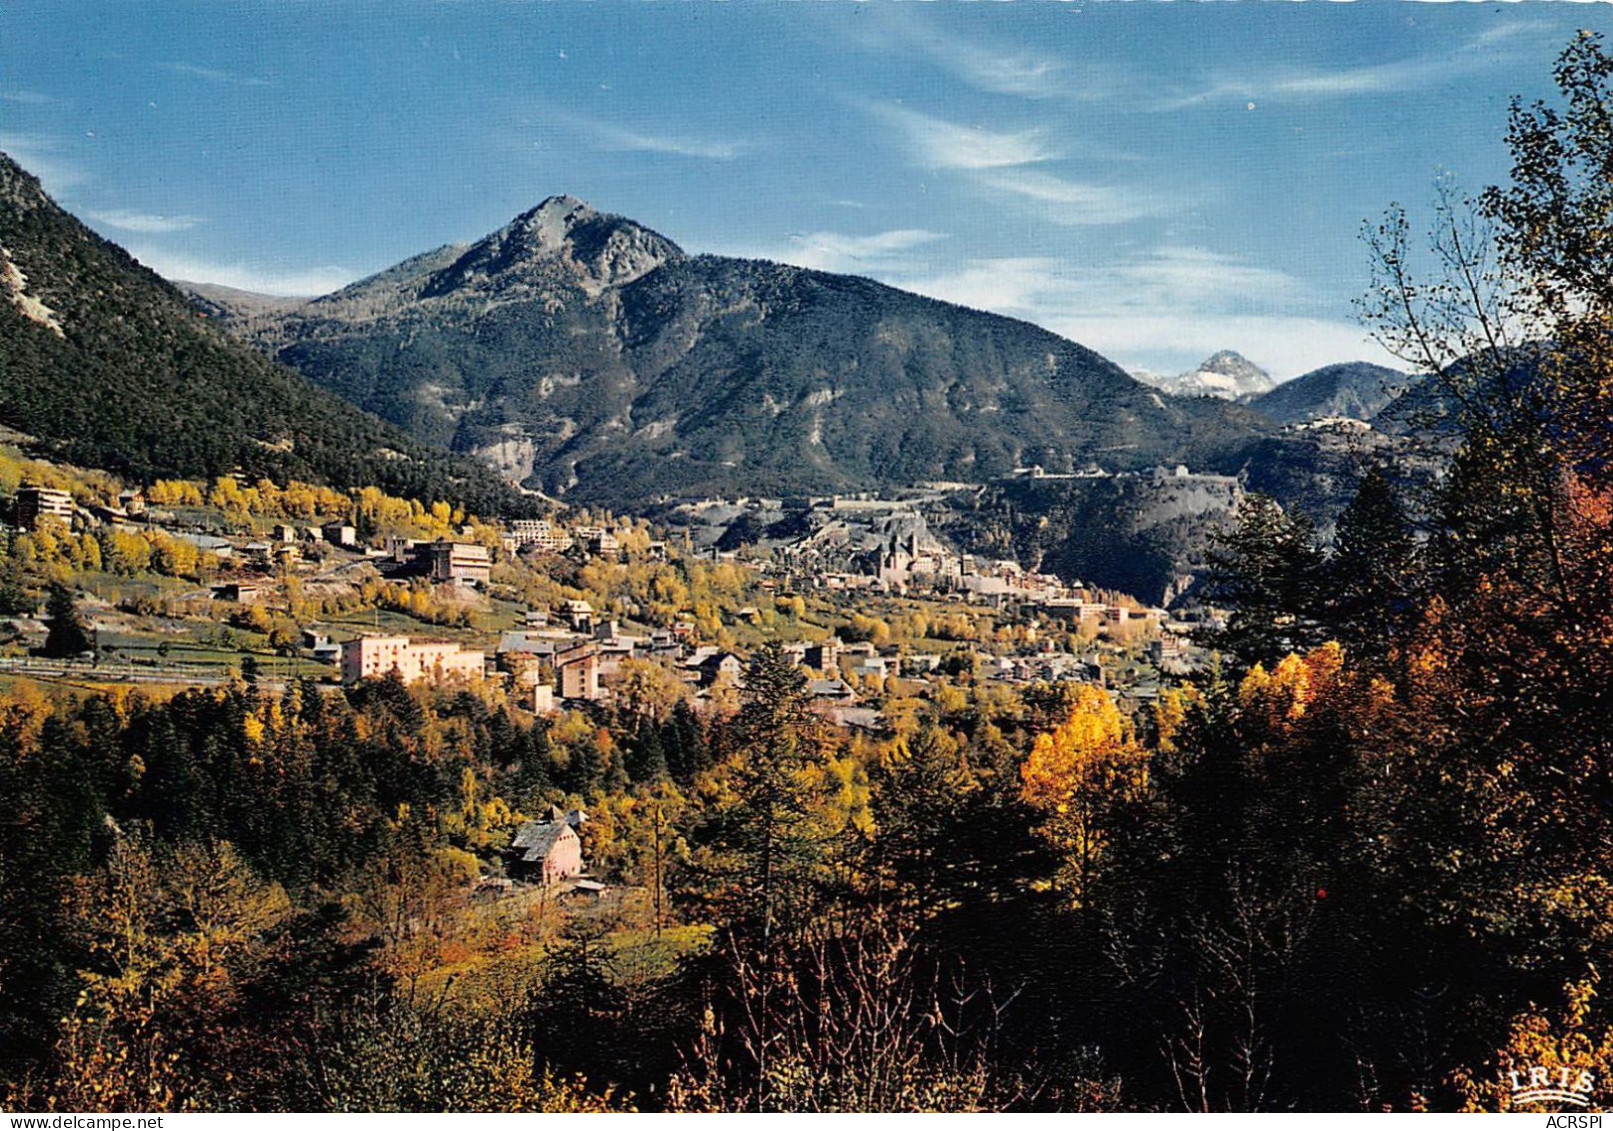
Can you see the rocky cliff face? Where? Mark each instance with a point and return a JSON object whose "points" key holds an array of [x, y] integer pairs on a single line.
{"points": [[1141, 534]]}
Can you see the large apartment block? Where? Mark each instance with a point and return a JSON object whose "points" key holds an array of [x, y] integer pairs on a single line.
{"points": [[463, 563], [371, 657], [539, 532], [35, 503]]}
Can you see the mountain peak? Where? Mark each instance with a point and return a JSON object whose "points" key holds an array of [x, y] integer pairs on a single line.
{"points": [[1226, 374], [563, 239], [551, 222], [1355, 389], [1232, 363]]}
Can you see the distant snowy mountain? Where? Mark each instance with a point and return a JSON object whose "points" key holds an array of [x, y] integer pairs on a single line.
{"points": [[1227, 374]]}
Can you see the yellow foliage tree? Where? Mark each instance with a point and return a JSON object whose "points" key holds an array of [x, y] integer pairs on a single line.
{"points": [[1079, 776]]}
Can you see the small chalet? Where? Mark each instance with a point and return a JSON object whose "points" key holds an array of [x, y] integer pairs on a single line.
{"points": [[721, 666], [547, 851], [581, 616], [830, 690]]}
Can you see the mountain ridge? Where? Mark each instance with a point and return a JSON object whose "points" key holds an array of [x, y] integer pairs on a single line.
{"points": [[1356, 389], [580, 352], [108, 365]]}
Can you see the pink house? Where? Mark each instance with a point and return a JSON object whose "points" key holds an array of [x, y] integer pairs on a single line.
{"points": [[546, 851]]}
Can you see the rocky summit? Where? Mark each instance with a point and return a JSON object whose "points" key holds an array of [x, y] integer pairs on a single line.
{"points": [[1226, 374]]}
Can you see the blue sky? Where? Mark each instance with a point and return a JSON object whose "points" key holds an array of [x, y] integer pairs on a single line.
{"points": [[1156, 181]]}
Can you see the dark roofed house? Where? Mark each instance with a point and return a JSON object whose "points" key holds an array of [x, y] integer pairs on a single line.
{"points": [[526, 643], [833, 690], [722, 665], [546, 851]]}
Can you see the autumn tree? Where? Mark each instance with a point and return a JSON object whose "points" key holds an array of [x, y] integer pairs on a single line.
{"points": [[1507, 667], [1079, 777]]}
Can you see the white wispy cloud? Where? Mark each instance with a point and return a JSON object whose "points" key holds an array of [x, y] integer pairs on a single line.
{"points": [[1170, 274], [213, 74], [1377, 78], [262, 278], [1012, 163], [939, 144], [1163, 278], [1486, 49], [1512, 30], [1164, 308], [608, 135], [148, 222], [999, 70], [989, 65], [25, 97], [1076, 203], [875, 253]]}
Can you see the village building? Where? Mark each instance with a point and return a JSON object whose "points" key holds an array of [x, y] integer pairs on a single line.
{"points": [[370, 657], [208, 543], [578, 669], [36, 503], [722, 666], [580, 615], [830, 690], [459, 563], [109, 516], [854, 718], [871, 665], [598, 541], [321, 647], [527, 644], [539, 533], [340, 534], [824, 657], [921, 663], [547, 851]]}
